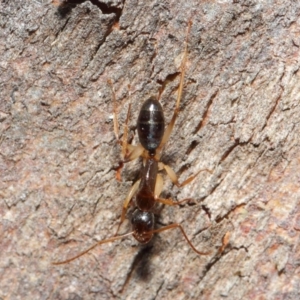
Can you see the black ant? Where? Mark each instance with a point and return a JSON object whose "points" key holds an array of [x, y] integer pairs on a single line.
{"points": [[153, 137]]}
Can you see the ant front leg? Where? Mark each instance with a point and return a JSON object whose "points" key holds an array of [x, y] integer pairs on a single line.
{"points": [[130, 195]]}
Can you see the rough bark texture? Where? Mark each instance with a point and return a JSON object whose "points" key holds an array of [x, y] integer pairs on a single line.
{"points": [[239, 117]]}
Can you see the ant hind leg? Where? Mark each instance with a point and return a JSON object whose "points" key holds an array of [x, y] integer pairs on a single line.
{"points": [[129, 152], [169, 128]]}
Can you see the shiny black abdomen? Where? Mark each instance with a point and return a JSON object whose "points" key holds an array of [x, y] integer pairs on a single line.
{"points": [[151, 124]]}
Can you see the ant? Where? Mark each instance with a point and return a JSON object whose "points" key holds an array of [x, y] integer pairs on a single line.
{"points": [[153, 137]]}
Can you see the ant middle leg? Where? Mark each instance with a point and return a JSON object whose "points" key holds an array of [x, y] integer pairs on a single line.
{"points": [[168, 201], [174, 178]]}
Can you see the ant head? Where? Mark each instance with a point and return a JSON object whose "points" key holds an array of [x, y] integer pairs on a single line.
{"points": [[143, 224]]}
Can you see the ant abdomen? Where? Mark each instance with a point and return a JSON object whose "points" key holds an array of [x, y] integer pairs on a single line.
{"points": [[151, 124], [142, 225]]}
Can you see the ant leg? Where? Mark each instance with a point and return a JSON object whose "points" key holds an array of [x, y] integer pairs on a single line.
{"points": [[158, 189], [171, 202], [176, 225], [133, 152], [116, 125], [158, 185], [131, 193], [112, 239], [129, 152], [174, 178], [176, 111], [125, 134]]}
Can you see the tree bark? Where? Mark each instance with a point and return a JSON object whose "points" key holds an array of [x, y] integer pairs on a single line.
{"points": [[239, 117]]}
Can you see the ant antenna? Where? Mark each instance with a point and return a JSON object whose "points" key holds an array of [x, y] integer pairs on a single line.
{"points": [[112, 239], [176, 225], [119, 237]]}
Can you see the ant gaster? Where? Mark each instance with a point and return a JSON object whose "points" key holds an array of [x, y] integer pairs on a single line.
{"points": [[153, 137]]}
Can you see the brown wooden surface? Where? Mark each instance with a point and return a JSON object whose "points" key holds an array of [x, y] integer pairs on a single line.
{"points": [[239, 117]]}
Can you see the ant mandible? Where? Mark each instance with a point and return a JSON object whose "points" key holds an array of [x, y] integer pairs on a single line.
{"points": [[153, 137]]}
